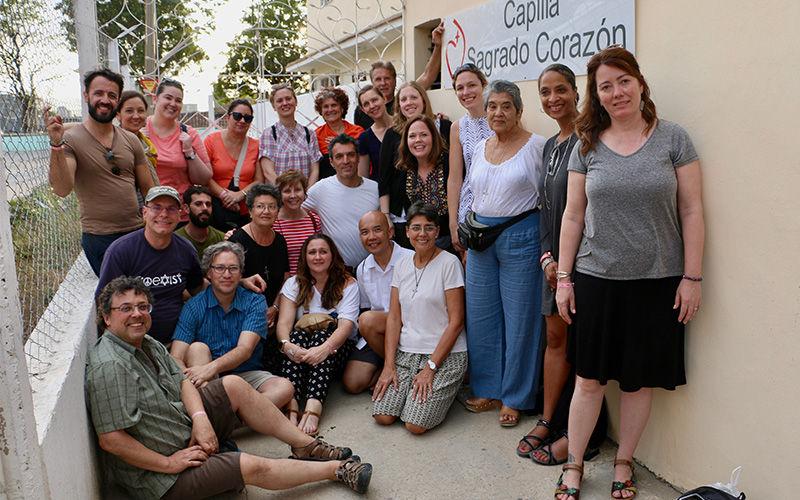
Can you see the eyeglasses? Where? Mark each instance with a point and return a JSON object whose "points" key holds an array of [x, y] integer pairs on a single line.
{"points": [[171, 210], [128, 308], [260, 207], [110, 159], [239, 116], [428, 228], [220, 269]]}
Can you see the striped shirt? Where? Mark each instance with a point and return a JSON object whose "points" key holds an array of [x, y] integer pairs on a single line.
{"points": [[295, 232]]}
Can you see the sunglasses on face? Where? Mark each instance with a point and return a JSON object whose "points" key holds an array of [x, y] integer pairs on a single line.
{"points": [[241, 116]]}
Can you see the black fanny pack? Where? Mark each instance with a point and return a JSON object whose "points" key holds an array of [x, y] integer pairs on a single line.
{"points": [[477, 236]]}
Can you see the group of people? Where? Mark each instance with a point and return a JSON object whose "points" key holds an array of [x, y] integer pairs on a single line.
{"points": [[372, 275]]}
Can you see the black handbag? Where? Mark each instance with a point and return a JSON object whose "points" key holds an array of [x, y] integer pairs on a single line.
{"points": [[709, 493], [478, 236]]}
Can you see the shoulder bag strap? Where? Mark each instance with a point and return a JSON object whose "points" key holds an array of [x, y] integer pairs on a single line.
{"points": [[238, 170]]}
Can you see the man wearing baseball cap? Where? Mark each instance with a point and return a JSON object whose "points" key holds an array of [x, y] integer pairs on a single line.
{"points": [[166, 262]]}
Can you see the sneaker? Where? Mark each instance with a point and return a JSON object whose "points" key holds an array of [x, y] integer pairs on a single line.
{"points": [[355, 474], [320, 451]]}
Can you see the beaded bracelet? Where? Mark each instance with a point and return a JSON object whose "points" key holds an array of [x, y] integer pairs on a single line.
{"points": [[696, 279], [565, 284]]}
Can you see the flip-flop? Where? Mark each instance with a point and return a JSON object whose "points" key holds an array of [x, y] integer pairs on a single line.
{"points": [[486, 405]]}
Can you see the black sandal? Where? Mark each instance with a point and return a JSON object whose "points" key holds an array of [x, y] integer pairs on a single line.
{"points": [[541, 441], [552, 460]]}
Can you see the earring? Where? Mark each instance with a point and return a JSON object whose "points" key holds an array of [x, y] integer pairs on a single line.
{"points": [[641, 104]]}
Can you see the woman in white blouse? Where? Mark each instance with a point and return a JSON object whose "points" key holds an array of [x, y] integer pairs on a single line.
{"points": [[315, 354], [426, 348], [504, 280]]}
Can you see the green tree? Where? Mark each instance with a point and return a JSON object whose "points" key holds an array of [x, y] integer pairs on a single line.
{"points": [[179, 22], [273, 36], [24, 36]]}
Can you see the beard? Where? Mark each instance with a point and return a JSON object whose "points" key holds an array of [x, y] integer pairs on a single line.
{"points": [[197, 221], [96, 116]]}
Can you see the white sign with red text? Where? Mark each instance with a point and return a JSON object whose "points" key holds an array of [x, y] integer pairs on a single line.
{"points": [[516, 39]]}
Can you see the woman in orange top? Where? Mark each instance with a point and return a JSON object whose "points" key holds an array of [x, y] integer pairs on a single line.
{"points": [[331, 103], [182, 158], [223, 149]]}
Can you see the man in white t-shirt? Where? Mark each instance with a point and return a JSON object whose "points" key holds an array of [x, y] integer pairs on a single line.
{"points": [[341, 200], [375, 287]]}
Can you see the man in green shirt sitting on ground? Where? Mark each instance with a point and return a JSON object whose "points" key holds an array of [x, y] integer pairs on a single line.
{"points": [[161, 434]]}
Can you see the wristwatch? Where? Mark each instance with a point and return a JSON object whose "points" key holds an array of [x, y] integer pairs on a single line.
{"points": [[190, 156], [283, 344], [432, 365]]}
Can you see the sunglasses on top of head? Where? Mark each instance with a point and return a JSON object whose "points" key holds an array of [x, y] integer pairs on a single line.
{"points": [[241, 116]]}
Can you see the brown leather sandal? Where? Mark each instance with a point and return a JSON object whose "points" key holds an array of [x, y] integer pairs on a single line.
{"points": [[627, 486], [563, 489], [320, 451]]}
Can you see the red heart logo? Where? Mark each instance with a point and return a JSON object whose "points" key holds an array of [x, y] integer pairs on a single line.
{"points": [[456, 49]]}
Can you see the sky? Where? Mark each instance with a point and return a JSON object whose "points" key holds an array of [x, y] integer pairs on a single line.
{"points": [[198, 79], [62, 85]]}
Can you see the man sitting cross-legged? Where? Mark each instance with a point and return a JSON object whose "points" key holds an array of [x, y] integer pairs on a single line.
{"points": [[161, 433], [375, 287], [221, 330]]}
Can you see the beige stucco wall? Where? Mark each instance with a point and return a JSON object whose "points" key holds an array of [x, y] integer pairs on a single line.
{"points": [[728, 72]]}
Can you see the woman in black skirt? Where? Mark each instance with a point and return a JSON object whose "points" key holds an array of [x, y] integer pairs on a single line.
{"points": [[633, 230]]}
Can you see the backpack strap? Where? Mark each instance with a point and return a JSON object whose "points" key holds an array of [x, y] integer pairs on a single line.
{"points": [[308, 135]]}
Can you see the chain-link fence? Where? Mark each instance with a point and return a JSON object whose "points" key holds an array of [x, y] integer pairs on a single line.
{"points": [[36, 70]]}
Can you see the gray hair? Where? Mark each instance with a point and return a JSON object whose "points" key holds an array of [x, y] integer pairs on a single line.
{"points": [[503, 87], [212, 251]]}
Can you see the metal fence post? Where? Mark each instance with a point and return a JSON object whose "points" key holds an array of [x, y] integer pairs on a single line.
{"points": [[23, 471], [88, 39]]}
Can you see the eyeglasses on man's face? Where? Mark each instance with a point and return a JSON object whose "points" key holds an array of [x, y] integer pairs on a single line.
{"points": [[221, 270], [144, 308], [157, 209]]}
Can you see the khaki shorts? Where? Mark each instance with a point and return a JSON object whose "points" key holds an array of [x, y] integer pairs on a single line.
{"points": [[222, 471], [256, 377]]}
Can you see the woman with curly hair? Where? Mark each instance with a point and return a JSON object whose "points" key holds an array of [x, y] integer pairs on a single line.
{"points": [[331, 103], [316, 329]]}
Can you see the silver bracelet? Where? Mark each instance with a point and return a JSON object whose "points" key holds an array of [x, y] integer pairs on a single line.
{"points": [[546, 262]]}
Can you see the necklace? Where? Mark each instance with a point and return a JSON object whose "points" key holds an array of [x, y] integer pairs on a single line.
{"points": [[554, 165], [417, 279]]}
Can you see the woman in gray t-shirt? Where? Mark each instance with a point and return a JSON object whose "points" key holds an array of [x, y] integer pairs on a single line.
{"points": [[633, 231]]}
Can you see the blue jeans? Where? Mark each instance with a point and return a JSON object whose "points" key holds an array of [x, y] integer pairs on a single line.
{"points": [[95, 246], [504, 324]]}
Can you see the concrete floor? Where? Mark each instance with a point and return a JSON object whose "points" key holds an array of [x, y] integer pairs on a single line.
{"points": [[468, 457]]}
